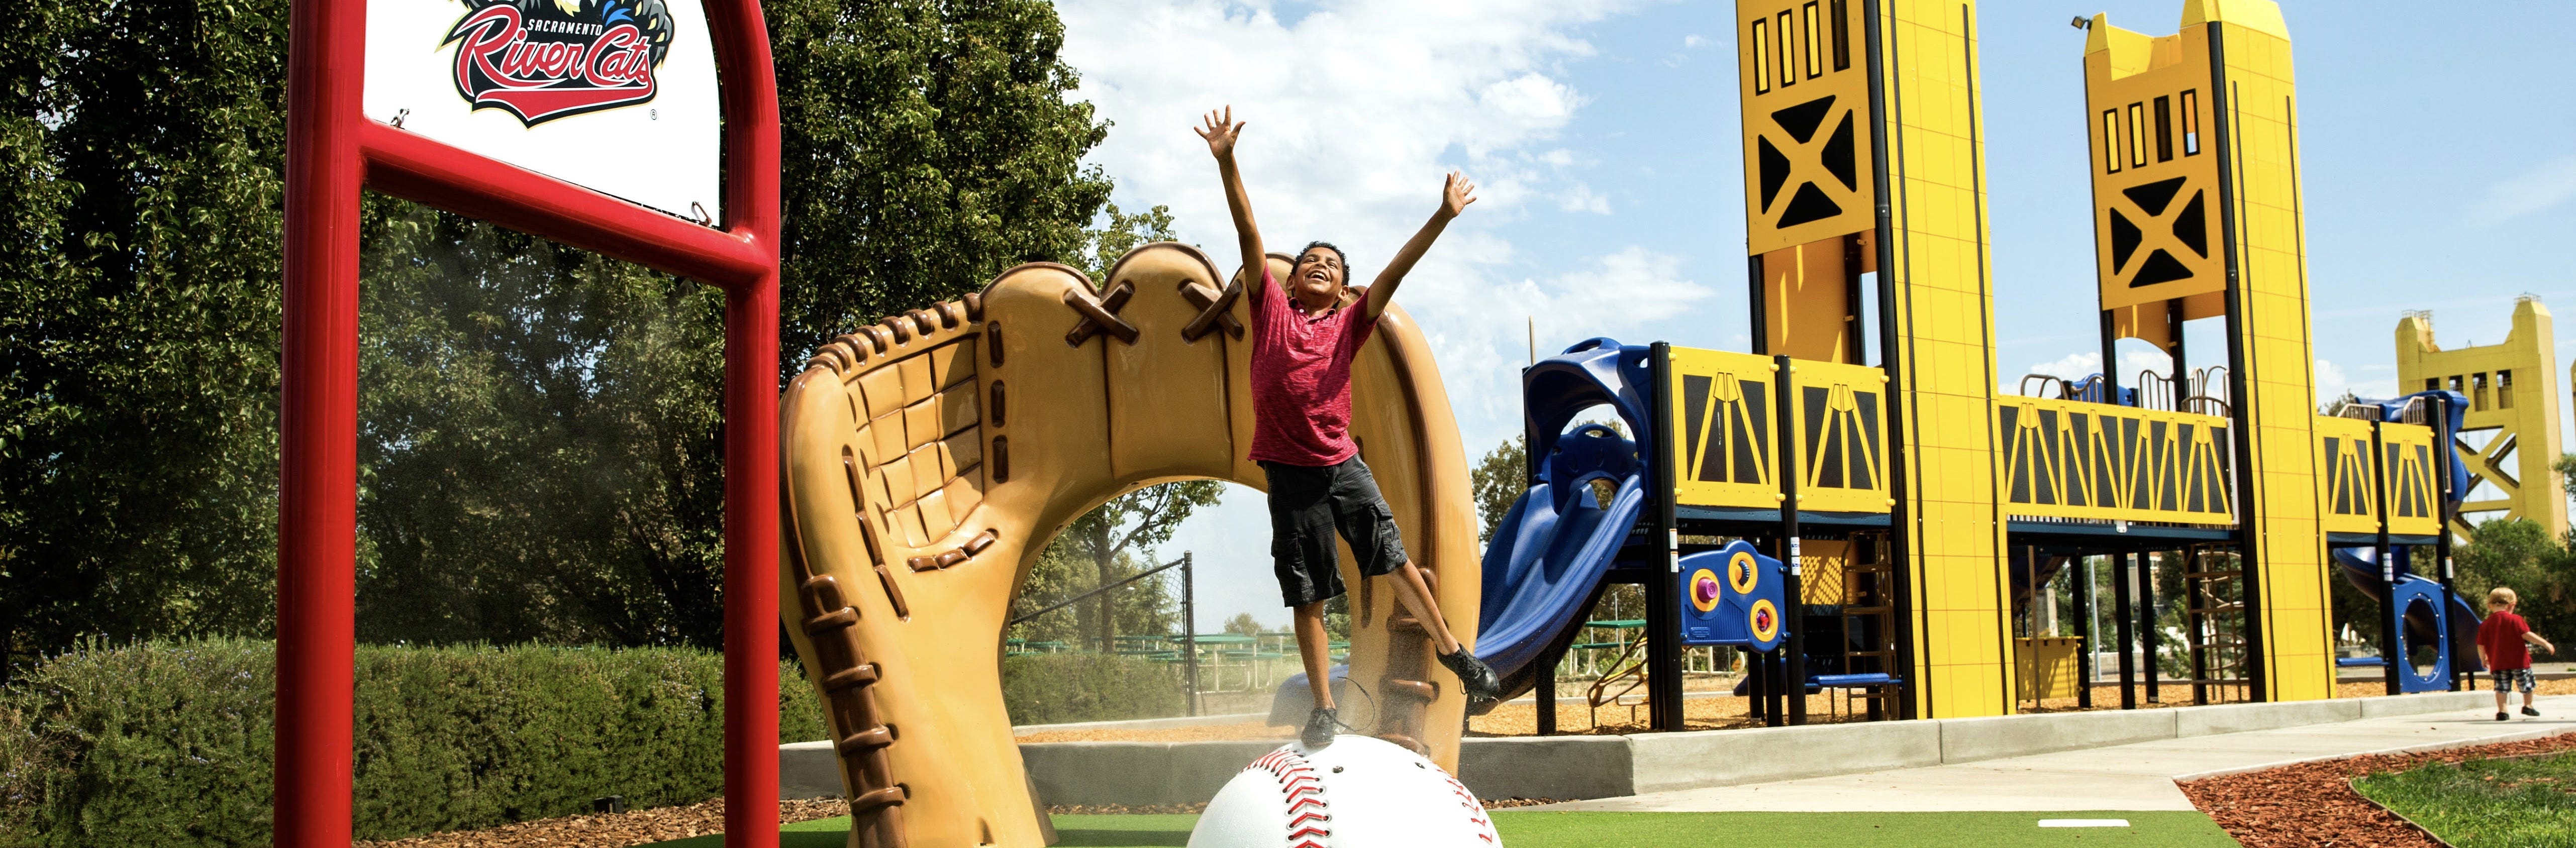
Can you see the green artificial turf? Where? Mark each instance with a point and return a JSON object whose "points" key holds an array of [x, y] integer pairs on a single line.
{"points": [[2516, 802], [1668, 830]]}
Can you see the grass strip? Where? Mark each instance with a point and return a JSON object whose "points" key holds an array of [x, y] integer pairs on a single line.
{"points": [[1546, 829], [2485, 803]]}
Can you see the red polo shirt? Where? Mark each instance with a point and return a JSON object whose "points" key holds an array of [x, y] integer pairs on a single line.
{"points": [[1301, 378], [2501, 635]]}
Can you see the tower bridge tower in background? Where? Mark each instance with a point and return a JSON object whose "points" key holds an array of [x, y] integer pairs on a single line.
{"points": [[2511, 427]]}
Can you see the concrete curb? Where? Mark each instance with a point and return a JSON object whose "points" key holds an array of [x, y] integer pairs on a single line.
{"points": [[1096, 773], [2517, 736], [1139, 723]]}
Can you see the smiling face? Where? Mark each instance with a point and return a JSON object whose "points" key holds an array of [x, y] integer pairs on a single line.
{"points": [[1316, 281]]}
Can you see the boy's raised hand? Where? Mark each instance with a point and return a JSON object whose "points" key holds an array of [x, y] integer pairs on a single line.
{"points": [[1220, 131], [1456, 195]]}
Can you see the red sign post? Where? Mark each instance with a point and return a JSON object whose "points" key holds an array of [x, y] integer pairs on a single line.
{"points": [[333, 152]]}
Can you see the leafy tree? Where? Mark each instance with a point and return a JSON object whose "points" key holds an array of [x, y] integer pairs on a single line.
{"points": [[928, 146], [540, 449], [1123, 232], [1243, 624], [2519, 554], [540, 425], [2566, 468], [1109, 539], [1498, 480], [139, 319]]}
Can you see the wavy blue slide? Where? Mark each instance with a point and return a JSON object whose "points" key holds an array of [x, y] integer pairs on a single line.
{"points": [[1544, 566]]}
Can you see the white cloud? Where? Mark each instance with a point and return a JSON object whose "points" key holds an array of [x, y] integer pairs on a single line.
{"points": [[2331, 382], [1581, 198], [2551, 183], [1354, 112], [2077, 366], [1693, 42], [1478, 324]]}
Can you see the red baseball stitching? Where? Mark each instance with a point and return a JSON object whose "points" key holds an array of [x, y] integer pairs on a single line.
{"points": [[1476, 811], [1301, 792]]}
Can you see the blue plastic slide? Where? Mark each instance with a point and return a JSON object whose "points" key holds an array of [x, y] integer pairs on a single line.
{"points": [[2458, 616], [1544, 565], [1546, 561]]}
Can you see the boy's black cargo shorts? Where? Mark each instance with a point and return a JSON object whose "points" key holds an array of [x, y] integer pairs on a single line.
{"points": [[1308, 504]]}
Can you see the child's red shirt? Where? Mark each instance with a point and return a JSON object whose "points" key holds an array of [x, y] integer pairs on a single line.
{"points": [[2501, 635], [1301, 378]]}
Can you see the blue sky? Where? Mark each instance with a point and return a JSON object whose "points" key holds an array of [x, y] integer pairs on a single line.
{"points": [[2435, 157]]}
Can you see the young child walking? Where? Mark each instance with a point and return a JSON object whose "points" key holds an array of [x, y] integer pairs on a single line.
{"points": [[2504, 644], [1303, 341]]}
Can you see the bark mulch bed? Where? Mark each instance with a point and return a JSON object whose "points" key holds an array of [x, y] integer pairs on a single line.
{"points": [[612, 830], [2312, 804]]}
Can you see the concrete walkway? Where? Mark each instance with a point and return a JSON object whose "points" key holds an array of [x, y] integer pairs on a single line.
{"points": [[2124, 777]]}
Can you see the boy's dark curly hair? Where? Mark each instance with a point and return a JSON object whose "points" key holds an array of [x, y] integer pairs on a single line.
{"points": [[1337, 254]]}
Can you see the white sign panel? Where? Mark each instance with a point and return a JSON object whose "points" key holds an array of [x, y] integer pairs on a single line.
{"points": [[614, 95]]}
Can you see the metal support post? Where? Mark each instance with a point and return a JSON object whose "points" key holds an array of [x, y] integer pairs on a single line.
{"points": [[1545, 691], [2084, 663], [2147, 637], [1663, 601], [1190, 631], [2391, 616], [2443, 457], [2124, 577], [1794, 617]]}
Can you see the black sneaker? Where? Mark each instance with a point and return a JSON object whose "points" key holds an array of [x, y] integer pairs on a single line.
{"points": [[2527, 710], [1321, 726], [2503, 717], [1483, 688]]}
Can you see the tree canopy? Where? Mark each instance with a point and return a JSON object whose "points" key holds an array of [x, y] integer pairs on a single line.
{"points": [[540, 426]]}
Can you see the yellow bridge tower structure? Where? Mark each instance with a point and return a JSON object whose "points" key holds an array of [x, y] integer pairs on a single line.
{"points": [[2510, 431]]}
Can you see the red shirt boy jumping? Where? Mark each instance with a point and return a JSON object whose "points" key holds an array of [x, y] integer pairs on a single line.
{"points": [[1303, 341]]}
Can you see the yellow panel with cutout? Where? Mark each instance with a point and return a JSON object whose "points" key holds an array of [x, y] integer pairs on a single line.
{"points": [[2414, 480], [1841, 412], [2074, 459], [2348, 481], [1724, 409]]}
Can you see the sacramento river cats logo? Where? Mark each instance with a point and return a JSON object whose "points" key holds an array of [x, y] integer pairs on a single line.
{"points": [[547, 59]]}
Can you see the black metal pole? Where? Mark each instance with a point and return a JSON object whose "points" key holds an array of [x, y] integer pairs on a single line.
{"points": [[2123, 625], [2147, 638], [2443, 458], [2086, 665], [1087, 595], [1757, 689], [1663, 593], [1545, 691], [1190, 631], [1794, 618], [2392, 615]]}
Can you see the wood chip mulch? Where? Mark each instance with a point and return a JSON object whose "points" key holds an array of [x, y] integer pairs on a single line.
{"points": [[612, 830], [2313, 804]]}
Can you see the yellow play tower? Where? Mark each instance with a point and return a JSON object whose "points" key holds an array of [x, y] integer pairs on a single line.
{"points": [[1864, 199]]}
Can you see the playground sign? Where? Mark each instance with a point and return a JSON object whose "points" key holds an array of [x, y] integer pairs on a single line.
{"points": [[618, 96], [597, 124]]}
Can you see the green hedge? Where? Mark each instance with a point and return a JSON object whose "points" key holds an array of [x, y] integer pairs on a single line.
{"points": [[1052, 688], [170, 743]]}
